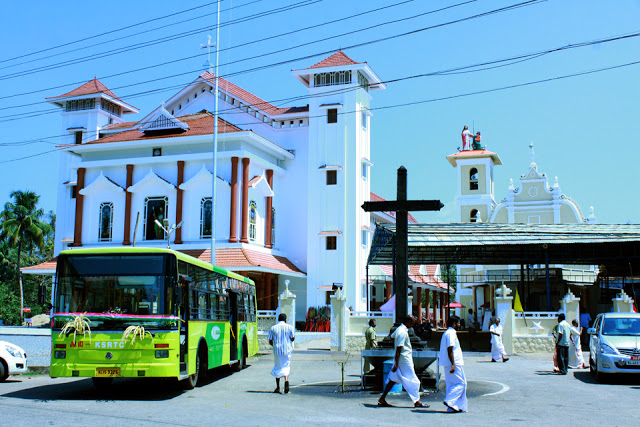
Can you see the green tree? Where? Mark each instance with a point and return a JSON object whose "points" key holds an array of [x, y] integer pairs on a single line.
{"points": [[448, 272], [22, 226]]}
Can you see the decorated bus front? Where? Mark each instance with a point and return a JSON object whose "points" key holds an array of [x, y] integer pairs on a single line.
{"points": [[114, 315]]}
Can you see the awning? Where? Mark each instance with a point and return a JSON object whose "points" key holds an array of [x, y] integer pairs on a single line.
{"points": [[47, 268], [240, 259]]}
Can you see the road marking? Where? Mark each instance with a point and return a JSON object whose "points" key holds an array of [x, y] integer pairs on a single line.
{"points": [[505, 388]]}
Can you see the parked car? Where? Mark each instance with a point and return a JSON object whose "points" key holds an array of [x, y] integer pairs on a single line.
{"points": [[13, 360], [614, 346]]}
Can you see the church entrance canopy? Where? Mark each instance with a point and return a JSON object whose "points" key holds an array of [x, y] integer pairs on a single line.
{"points": [[616, 247]]}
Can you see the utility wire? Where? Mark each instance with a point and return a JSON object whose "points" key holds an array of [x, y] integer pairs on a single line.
{"points": [[108, 32], [202, 54], [127, 36], [117, 51]]}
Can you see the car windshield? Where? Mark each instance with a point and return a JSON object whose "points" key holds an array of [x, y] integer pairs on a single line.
{"points": [[121, 286], [621, 326]]}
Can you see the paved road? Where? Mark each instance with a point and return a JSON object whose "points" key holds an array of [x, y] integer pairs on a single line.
{"points": [[519, 391]]}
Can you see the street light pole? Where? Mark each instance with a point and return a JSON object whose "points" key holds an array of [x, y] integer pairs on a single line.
{"points": [[215, 145]]}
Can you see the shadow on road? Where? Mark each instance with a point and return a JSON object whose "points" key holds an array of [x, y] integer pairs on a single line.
{"points": [[134, 389], [586, 377]]}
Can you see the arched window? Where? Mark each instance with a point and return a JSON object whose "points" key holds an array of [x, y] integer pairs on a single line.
{"points": [[252, 220], [473, 216], [473, 179], [155, 208], [105, 222], [273, 226], [205, 217]]}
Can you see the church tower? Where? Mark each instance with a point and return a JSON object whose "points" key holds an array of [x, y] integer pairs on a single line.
{"points": [[475, 198], [338, 176]]}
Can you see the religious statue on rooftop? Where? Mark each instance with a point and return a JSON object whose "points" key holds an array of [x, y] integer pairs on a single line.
{"points": [[477, 145], [466, 138]]}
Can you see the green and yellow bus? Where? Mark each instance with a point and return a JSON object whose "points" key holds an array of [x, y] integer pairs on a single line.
{"points": [[147, 312]]}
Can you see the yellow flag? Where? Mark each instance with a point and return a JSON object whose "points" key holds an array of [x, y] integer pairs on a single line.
{"points": [[517, 305]]}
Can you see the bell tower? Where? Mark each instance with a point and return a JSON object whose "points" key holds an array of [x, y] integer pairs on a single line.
{"points": [[475, 198]]}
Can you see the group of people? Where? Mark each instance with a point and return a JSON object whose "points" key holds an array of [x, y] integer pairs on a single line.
{"points": [[566, 337], [470, 141]]}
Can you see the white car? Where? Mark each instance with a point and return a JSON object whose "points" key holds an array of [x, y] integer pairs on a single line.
{"points": [[13, 360], [614, 347]]}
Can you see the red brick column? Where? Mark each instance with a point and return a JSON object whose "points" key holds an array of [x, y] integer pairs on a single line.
{"points": [[233, 215], [127, 207], [267, 240], [77, 232], [178, 235], [442, 309], [245, 201], [387, 291], [426, 299]]}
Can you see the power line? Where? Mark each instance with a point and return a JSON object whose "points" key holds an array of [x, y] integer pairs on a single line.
{"points": [[108, 32], [201, 54], [161, 40], [127, 36]]}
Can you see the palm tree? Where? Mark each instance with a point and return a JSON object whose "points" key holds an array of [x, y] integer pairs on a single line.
{"points": [[21, 225]]}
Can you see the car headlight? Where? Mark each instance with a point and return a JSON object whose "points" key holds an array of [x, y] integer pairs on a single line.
{"points": [[14, 351], [605, 349]]}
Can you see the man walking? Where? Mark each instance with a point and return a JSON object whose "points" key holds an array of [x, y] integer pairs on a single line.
{"points": [[451, 361], [281, 338], [370, 342], [403, 371], [563, 333], [497, 347]]}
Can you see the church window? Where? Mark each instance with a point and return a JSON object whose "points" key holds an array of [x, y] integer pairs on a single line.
{"points": [[363, 82], [473, 179], [364, 120], [365, 170], [105, 222], [332, 177], [155, 209], [332, 79], [332, 115], [473, 216], [332, 243], [73, 191], [110, 107], [78, 135], [157, 152], [205, 217], [365, 237], [252, 220], [80, 104], [273, 226]]}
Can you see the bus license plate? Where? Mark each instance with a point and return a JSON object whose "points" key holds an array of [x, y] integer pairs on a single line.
{"points": [[107, 372]]}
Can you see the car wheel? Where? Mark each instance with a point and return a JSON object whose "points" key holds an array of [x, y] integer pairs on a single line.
{"points": [[4, 371]]}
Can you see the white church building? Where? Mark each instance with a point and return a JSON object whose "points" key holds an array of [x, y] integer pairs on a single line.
{"points": [[289, 186]]}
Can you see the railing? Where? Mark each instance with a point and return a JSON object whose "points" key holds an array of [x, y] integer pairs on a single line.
{"points": [[370, 314], [537, 314], [266, 313]]}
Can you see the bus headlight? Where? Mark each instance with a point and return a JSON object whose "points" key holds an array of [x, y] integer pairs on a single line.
{"points": [[60, 354], [162, 354]]}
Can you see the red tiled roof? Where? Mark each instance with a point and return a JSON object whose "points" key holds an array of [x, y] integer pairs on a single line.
{"points": [[47, 265], [416, 277], [254, 180], [90, 87], [245, 258], [375, 198], [249, 98], [123, 125], [199, 124], [337, 59], [467, 153]]}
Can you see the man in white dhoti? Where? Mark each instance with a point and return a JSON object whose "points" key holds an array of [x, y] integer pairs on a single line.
{"points": [[576, 331], [453, 364], [281, 337], [403, 371], [497, 347]]}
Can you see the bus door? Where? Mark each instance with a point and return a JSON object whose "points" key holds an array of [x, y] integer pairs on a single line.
{"points": [[182, 296], [233, 323]]}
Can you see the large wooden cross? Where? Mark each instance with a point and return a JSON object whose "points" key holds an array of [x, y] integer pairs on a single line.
{"points": [[401, 207]]}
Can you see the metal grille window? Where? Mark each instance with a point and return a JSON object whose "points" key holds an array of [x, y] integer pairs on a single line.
{"points": [[332, 79], [363, 82], [105, 222], [110, 107], [252, 220], [80, 104], [155, 208], [205, 217]]}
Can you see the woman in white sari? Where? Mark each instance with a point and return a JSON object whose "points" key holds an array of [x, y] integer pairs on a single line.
{"points": [[575, 343]]}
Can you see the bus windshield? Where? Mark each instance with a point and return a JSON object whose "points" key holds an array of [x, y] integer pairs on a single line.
{"points": [[120, 285]]}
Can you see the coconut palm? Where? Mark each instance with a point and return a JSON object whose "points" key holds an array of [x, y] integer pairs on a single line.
{"points": [[22, 226]]}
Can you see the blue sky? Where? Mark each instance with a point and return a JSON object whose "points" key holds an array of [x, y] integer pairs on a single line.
{"points": [[584, 128]]}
